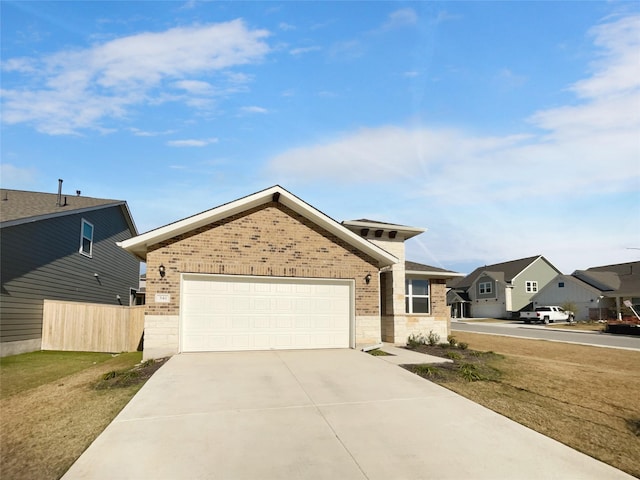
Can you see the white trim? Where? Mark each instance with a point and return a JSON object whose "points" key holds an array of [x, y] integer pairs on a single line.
{"points": [[138, 245], [409, 295], [431, 274], [347, 281], [82, 237], [529, 286], [486, 292]]}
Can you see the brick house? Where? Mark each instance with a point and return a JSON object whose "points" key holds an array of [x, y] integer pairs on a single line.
{"points": [[269, 271]]}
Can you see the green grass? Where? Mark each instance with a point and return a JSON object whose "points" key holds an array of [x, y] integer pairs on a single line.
{"points": [[378, 353], [30, 370], [56, 403]]}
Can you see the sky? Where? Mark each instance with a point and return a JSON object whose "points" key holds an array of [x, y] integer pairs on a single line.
{"points": [[506, 129]]}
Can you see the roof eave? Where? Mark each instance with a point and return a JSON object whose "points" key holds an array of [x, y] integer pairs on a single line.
{"points": [[407, 232], [433, 274], [47, 216]]}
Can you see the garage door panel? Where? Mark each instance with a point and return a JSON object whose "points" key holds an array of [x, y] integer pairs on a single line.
{"points": [[223, 313]]}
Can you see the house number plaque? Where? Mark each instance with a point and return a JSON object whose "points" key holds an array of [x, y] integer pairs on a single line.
{"points": [[163, 297]]}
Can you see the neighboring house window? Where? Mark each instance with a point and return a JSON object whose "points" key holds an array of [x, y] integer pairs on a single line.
{"points": [[531, 287], [86, 238], [417, 296], [560, 284], [485, 287]]}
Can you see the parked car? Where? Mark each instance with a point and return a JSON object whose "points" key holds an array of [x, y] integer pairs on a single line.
{"points": [[547, 314]]}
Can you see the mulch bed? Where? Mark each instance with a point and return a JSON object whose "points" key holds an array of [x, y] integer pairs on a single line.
{"points": [[126, 378]]}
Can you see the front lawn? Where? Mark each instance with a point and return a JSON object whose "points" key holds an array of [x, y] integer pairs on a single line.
{"points": [[54, 404]]}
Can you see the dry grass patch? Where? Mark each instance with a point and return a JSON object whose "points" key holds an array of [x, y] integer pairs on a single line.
{"points": [[45, 428], [584, 397], [578, 327]]}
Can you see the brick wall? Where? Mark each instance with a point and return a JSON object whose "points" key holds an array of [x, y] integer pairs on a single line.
{"points": [[270, 240]]}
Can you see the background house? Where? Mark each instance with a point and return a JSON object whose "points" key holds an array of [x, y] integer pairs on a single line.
{"points": [[500, 290], [598, 293], [59, 247], [269, 271]]}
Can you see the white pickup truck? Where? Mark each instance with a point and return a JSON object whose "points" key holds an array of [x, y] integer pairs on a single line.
{"points": [[547, 314]]}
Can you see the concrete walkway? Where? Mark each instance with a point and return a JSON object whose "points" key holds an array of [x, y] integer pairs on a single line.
{"points": [[317, 414]]}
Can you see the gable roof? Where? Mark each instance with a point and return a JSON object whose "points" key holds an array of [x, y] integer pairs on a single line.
{"points": [[428, 270], [622, 279], [19, 206], [139, 245], [505, 271]]}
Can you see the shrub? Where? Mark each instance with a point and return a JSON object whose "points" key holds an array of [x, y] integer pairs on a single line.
{"points": [[463, 346], [433, 338], [470, 372], [452, 340], [426, 370], [453, 355], [415, 340]]}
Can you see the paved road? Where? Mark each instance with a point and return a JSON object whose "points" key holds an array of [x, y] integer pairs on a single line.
{"points": [[518, 329]]}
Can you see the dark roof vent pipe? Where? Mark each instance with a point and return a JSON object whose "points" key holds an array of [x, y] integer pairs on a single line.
{"points": [[59, 201]]}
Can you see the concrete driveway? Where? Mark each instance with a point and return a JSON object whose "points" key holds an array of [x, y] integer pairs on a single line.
{"points": [[317, 414]]}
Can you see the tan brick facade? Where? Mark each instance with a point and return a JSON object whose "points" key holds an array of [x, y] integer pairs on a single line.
{"points": [[270, 240]]}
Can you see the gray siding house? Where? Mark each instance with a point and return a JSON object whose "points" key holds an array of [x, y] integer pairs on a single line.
{"points": [[598, 293], [60, 248], [500, 290]]}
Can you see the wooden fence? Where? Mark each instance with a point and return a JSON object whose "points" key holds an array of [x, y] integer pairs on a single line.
{"points": [[91, 327]]}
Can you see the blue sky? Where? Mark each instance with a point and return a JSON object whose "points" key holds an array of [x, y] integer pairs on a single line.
{"points": [[507, 129]]}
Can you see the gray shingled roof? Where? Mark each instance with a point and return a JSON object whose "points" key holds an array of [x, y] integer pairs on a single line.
{"points": [[19, 206], [508, 269], [622, 279], [420, 267]]}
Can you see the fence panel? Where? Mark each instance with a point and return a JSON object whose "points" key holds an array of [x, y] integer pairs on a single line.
{"points": [[91, 327]]}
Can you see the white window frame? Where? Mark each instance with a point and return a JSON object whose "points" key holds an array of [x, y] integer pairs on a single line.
{"points": [[409, 296], [485, 288], [82, 238], [531, 286]]}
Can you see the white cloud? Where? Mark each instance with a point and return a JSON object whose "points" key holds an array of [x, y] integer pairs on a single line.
{"points": [[577, 159], [79, 89], [196, 87], [192, 142], [589, 144], [401, 18], [302, 50], [254, 109], [144, 133], [286, 26], [615, 72]]}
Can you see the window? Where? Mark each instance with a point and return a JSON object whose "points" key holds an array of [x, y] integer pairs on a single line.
{"points": [[531, 287], [485, 287], [86, 238], [560, 284], [416, 295]]}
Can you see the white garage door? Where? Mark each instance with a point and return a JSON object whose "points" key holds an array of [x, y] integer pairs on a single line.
{"points": [[226, 313], [488, 310]]}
